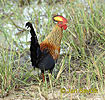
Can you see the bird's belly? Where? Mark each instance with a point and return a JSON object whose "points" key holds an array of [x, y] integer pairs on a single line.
{"points": [[46, 63]]}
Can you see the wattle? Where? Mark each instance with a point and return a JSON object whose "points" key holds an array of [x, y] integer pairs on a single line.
{"points": [[64, 27]]}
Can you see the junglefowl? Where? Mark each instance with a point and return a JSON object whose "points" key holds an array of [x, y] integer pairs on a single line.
{"points": [[45, 54]]}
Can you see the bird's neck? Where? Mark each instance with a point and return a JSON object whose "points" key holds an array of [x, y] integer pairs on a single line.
{"points": [[52, 42], [55, 36]]}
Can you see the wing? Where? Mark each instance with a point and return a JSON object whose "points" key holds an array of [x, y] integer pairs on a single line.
{"points": [[46, 61]]}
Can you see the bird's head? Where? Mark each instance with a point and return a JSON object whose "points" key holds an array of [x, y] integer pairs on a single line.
{"points": [[61, 21]]}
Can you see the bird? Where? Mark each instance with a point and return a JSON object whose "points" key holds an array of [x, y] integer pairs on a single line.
{"points": [[44, 55]]}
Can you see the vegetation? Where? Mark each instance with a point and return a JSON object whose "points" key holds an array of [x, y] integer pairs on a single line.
{"points": [[81, 65]]}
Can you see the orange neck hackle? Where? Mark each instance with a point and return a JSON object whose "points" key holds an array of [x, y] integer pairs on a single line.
{"points": [[53, 41], [55, 36]]}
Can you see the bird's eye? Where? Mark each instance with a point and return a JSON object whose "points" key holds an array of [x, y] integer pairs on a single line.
{"points": [[60, 23]]}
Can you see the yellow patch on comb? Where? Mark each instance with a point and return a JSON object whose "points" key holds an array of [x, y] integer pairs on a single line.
{"points": [[57, 18]]}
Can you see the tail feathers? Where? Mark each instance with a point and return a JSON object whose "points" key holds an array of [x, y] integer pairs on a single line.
{"points": [[35, 47]]}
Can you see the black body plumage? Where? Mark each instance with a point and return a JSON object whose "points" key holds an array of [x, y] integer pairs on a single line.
{"points": [[40, 59]]}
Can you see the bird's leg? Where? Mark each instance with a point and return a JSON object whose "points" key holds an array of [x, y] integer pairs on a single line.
{"points": [[43, 75]]}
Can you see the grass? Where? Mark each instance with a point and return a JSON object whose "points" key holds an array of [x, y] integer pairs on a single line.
{"points": [[82, 63]]}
